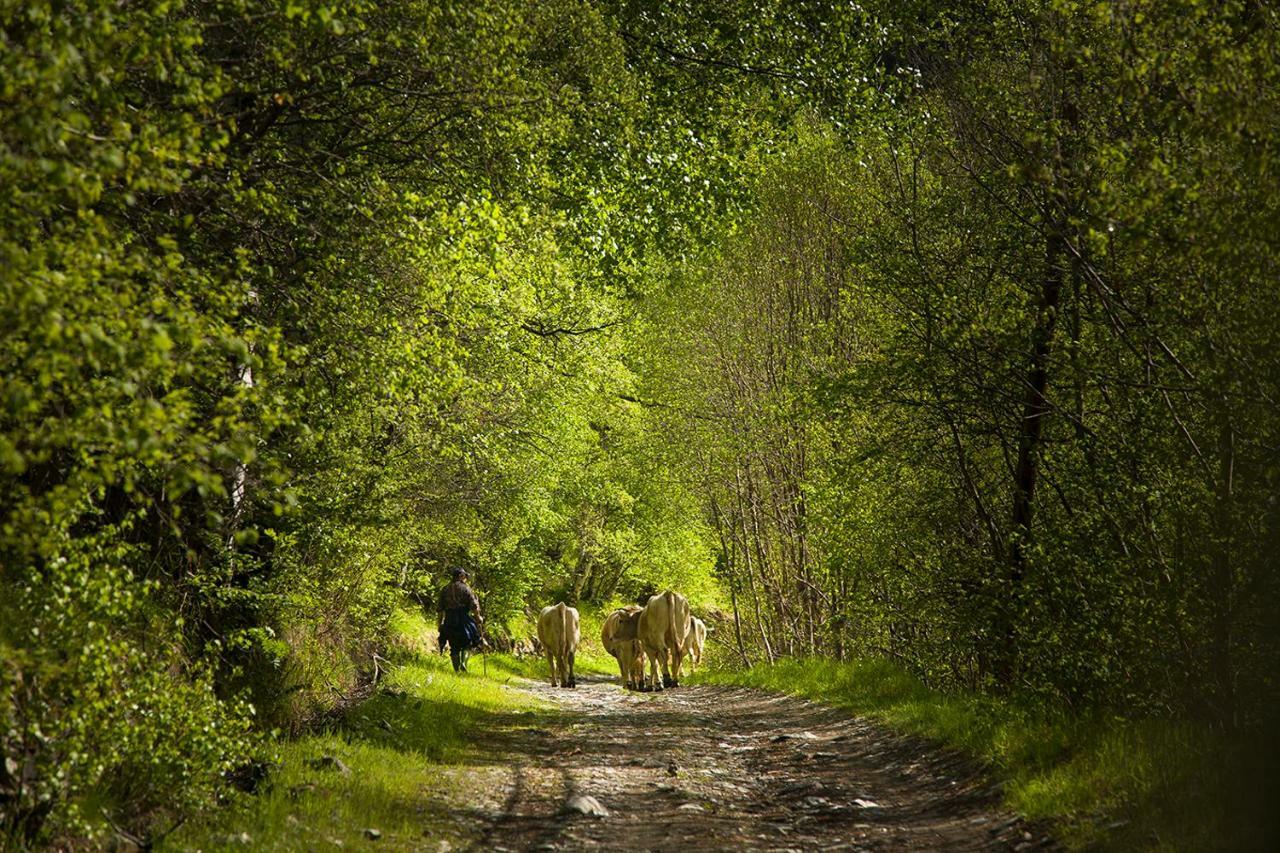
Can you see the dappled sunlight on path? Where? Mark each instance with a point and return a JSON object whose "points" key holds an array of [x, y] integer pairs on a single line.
{"points": [[728, 768]]}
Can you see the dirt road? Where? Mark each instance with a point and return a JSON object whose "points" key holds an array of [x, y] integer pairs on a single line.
{"points": [[717, 768]]}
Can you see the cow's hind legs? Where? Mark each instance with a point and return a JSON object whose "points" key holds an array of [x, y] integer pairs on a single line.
{"points": [[572, 682], [654, 683], [551, 664], [667, 680]]}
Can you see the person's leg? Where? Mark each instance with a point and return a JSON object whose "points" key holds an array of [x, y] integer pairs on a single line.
{"points": [[463, 654], [455, 656]]}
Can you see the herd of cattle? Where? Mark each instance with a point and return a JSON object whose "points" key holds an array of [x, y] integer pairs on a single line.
{"points": [[664, 631]]}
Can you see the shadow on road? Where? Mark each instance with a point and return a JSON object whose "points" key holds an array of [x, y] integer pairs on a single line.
{"points": [[730, 768]]}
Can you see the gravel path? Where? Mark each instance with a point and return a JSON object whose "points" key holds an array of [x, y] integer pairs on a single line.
{"points": [[720, 768]]}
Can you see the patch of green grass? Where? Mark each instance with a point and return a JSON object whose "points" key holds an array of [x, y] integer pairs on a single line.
{"points": [[401, 745], [1103, 783]]}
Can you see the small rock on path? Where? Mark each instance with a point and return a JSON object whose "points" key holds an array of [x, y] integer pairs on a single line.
{"points": [[586, 805]]}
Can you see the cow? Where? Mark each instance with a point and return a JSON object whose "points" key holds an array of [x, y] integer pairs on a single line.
{"points": [[662, 628], [618, 636], [559, 635], [694, 642]]}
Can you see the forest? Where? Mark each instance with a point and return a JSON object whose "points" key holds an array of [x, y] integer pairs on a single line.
{"points": [[935, 333]]}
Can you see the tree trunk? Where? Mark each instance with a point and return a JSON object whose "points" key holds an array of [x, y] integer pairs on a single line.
{"points": [[1223, 581], [1035, 410], [726, 550]]}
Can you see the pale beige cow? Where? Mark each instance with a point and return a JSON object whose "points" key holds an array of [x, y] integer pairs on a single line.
{"points": [[663, 625], [694, 642], [558, 632], [619, 638]]}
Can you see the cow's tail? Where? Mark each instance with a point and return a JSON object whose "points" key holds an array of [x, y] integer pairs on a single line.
{"points": [[604, 635], [678, 607], [566, 640]]}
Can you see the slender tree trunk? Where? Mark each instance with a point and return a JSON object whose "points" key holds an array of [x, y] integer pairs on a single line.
{"points": [[726, 550], [773, 587], [1223, 576], [1035, 411], [751, 584], [240, 478]]}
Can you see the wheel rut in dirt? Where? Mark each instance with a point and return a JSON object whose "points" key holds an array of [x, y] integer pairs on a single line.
{"points": [[731, 769]]}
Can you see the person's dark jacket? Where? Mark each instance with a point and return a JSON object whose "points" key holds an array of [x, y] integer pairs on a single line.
{"points": [[457, 624]]}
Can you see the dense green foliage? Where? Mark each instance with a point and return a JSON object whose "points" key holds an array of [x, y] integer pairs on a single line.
{"points": [[298, 305], [987, 384], [933, 333]]}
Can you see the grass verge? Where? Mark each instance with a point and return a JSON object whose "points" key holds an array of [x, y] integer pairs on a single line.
{"points": [[1102, 783], [402, 747]]}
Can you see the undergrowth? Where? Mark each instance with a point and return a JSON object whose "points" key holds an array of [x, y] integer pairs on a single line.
{"points": [[1102, 783], [420, 719]]}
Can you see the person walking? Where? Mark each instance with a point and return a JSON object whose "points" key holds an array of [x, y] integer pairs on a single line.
{"points": [[459, 628]]}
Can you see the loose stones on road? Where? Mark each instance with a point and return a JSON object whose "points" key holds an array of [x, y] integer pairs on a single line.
{"points": [[762, 772], [585, 805]]}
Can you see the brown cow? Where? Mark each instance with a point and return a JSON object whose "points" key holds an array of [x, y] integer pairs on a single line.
{"points": [[559, 635], [664, 623], [694, 642], [619, 639]]}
